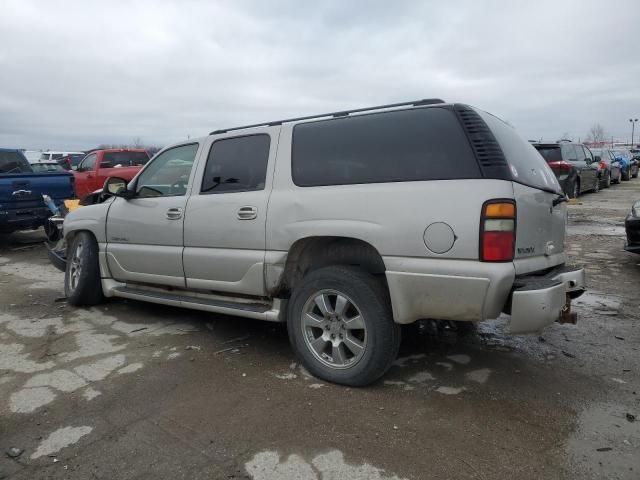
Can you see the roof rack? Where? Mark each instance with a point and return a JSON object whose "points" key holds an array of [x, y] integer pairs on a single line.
{"points": [[415, 103]]}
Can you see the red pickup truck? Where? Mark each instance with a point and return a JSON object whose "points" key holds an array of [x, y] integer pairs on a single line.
{"points": [[99, 165]]}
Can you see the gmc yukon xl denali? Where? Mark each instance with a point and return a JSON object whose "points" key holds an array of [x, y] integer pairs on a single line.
{"points": [[344, 225]]}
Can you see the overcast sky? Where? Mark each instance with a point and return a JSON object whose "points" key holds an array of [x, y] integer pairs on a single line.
{"points": [[76, 74]]}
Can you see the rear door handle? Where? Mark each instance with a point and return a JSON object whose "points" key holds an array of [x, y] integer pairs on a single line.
{"points": [[247, 213], [174, 213]]}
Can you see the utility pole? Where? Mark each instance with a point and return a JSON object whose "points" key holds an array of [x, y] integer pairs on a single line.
{"points": [[633, 128]]}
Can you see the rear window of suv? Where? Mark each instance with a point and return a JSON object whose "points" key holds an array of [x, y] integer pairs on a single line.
{"points": [[396, 146], [550, 154], [527, 166]]}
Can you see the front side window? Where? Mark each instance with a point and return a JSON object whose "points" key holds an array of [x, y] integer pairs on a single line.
{"points": [[13, 162], [168, 175], [88, 163], [397, 146], [237, 164]]}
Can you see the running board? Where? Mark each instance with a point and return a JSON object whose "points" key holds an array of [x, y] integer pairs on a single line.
{"points": [[258, 311]]}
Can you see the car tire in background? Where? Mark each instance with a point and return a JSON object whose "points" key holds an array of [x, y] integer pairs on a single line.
{"points": [[596, 186], [341, 326], [82, 284], [635, 173], [625, 175], [608, 181]]}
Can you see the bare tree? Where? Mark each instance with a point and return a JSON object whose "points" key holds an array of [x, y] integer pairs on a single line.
{"points": [[596, 134], [137, 142]]}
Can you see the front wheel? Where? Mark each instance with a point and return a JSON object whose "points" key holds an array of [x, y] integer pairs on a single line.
{"points": [[596, 186], [341, 326], [635, 173], [82, 284], [625, 175], [608, 180]]}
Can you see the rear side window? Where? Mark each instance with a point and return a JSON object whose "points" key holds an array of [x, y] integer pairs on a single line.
{"points": [[13, 162], [569, 152], [550, 154], [398, 146], [126, 159], [527, 166], [237, 164]]}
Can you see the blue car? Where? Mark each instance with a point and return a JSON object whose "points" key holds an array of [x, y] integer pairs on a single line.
{"points": [[628, 165]]}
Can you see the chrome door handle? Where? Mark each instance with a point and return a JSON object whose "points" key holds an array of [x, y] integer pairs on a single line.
{"points": [[174, 213], [247, 213]]}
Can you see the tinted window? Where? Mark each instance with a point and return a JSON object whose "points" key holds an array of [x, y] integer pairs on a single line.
{"points": [[13, 162], [588, 154], [527, 166], [237, 164], [126, 159], [406, 145], [168, 174], [550, 154], [47, 167]]}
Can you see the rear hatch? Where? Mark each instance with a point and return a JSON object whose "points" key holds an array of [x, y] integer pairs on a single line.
{"points": [[540, 209]]}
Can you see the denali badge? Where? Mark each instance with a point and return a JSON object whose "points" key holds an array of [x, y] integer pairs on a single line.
{"points": [[526, 250]]}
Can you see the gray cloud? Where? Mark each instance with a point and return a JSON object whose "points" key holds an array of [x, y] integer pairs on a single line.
{"points": [[75, 74]]}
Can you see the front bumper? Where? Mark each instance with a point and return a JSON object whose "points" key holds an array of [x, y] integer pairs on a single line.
{"points": [[632, 227], [539, 300]]}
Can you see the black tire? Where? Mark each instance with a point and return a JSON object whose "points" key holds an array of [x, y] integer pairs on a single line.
{"points": [[596, 186], [608, 181], [574, 190], [370, 298], [635, 175], [625, 175], [82, 284]]}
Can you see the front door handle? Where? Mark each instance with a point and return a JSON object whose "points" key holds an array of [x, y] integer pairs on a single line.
{"points": [[247, 213], [174, 213]]}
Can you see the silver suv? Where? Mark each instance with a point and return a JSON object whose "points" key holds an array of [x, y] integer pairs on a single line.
{"points": [[344, 225]]}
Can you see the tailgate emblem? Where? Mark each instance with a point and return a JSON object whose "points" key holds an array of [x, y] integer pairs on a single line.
{"points": [[21, 193]]}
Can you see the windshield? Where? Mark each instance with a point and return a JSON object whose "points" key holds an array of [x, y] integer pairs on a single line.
{"points": [[13, 162], [527, 166], [126, 159]]}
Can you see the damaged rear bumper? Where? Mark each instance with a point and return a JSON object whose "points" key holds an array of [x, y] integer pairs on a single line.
{"points": [[539, 300]]}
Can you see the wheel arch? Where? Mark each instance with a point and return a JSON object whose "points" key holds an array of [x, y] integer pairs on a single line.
{"points": [[310, 253]]}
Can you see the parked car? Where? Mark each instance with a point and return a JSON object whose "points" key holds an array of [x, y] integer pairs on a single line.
{"points": [[99, 165], [628, 164], [573, 165], [51, 155], [344, 225], [610, 169], [632, 227], [21, 190], [40, 166], [71, 161]]}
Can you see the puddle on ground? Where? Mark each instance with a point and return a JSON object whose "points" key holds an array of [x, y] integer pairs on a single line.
{"points": [[589, 229]]}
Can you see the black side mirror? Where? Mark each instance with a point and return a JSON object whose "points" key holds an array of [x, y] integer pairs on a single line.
{"points": [[597, 159], [117, 187]]}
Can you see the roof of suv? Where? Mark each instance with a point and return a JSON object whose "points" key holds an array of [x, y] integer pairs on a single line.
{"points": [[343, 113]]}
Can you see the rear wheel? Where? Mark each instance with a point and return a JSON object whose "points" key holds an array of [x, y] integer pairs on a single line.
{"points": [[608, 180], [341, 327], [82, 275]]}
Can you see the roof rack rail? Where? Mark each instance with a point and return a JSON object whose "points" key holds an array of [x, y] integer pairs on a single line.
{"points": [[415, 103]]}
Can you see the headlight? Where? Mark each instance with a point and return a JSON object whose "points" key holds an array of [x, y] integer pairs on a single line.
{"points": [[635, 210]]}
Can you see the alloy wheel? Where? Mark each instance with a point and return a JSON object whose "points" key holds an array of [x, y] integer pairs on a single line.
{"points": [[334, 329], [75, 268]]}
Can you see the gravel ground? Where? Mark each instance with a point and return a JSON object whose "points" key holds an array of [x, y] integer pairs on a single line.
{"points": [[132, 390]]}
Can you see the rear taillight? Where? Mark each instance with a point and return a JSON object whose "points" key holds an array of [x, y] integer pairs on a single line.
{"points": [[498, 231], [560, 165]]}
